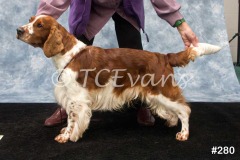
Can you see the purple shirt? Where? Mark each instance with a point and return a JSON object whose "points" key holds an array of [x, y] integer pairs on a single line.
{"points": [[89, 16], [101, 13]]}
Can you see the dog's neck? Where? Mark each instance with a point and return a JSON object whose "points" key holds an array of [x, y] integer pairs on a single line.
{"points": [[62, 60]]}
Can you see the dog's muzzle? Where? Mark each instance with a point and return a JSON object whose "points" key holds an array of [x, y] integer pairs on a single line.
{"points": [[20, 32]]}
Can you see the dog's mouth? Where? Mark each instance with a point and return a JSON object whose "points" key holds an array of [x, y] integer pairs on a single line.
{"points": [[19, 37], [35, 44]]}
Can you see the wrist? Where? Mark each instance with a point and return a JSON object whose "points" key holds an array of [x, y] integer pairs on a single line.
{"points": [[182, 27], [179, 22]]}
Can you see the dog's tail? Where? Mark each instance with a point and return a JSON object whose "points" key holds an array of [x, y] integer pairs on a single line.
{"points": [[181, 59]]}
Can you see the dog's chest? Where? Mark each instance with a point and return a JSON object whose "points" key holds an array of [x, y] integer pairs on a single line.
{"points": [[68, 90]]}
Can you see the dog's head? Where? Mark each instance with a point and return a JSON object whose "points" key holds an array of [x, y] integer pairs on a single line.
{"points": [[44, 32]]}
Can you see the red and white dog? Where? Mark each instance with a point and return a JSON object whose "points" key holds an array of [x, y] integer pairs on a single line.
{"points": [[94, 78]]}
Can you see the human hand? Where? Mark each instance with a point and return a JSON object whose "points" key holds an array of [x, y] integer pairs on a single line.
{"points": [[188, 36]]}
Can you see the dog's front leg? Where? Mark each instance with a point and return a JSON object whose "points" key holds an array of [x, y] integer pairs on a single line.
{"points": [[79, 115]]}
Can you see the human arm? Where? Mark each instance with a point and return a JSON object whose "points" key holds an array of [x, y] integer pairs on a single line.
{"points": [[169, 11], [54, 8], [188, 36]]}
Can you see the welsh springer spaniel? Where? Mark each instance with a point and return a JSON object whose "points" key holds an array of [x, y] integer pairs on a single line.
{"points": [[93, 78]]}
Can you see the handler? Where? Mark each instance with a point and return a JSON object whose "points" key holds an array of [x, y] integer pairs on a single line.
{"points": [[87, 18]]}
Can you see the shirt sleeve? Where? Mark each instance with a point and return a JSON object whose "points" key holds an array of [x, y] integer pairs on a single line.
{"points": [[167, 10], [54, 8]]}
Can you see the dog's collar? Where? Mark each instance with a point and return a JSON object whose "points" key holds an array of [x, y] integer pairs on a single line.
{"points": [[74, 56], [66, 67]]}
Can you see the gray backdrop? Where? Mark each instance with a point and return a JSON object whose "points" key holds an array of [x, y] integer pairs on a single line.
{"points": [[26, 75]]}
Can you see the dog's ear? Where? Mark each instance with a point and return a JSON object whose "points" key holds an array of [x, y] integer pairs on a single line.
{"points": [[53, 44]]}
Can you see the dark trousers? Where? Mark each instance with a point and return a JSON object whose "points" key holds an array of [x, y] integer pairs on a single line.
{"points": [[127, 35]]}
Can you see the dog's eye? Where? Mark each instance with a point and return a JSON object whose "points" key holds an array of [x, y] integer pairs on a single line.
{"points": [[39, 25]]}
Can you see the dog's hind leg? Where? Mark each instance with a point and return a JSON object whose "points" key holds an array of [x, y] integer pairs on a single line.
{"points": [[172, 120], [181, 109], [160, 110], [79, 115]]}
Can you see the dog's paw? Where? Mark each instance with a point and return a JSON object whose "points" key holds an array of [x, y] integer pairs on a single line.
{"points": [[62, 138], [182, 136], [74, 138], [63, 130]]}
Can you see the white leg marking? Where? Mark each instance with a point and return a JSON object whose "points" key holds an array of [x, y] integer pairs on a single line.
{"points": [[79, 115], [163, 106]]}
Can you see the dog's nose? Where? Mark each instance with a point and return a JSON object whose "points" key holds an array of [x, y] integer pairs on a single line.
{"points": [[20, 31]]}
